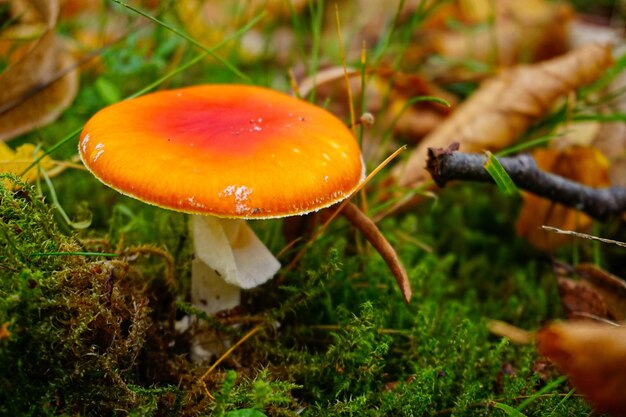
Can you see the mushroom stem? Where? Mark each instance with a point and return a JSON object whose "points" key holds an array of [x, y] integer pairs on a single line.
{"points": [[211, 294], [228, 256]]}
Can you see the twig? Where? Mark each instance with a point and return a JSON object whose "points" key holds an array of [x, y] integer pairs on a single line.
{"points": [[600, 203], [583, 235]]}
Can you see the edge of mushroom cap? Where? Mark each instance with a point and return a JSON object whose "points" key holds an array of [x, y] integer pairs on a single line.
{"points": [[336, 197], [248, 216]]}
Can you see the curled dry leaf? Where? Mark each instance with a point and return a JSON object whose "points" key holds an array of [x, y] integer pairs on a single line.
{"points": [[593, 355], [505, 106], [39, 81], [581, 164]]}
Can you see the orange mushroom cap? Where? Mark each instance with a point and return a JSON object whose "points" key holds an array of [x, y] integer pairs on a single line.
{"points": [[224, 150]]}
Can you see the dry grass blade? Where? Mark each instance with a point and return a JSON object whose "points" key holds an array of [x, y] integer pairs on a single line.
{"points": [[224, 356], [583, 235], [345, 71]]}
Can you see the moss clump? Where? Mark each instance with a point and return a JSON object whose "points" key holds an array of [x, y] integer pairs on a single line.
{"points": [[78, 324]]}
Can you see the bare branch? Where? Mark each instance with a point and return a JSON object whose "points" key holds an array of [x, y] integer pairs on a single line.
{"points": [[601, 203]]}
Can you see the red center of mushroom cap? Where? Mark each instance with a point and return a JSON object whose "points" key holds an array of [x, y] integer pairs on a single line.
{"points": [[224, 150]]}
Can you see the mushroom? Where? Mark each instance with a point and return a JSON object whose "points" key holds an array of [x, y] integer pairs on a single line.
{"points": [[224, 153]]}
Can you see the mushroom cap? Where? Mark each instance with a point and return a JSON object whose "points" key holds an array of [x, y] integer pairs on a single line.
{"points": [[224, 150]]}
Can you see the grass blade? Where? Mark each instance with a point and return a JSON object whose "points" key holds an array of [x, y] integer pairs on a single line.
{"points": [[499, 175], [510, 411], [188, 38]]}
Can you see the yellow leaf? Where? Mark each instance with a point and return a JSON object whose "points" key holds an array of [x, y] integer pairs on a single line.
{"points": [[15, 162]]}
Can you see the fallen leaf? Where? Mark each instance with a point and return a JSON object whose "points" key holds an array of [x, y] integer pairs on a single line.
{"points": [[15, 162], [611, 288], [40, 80], [593, 355], [581, 164], [505, 106], [503, 32], [580, 300]]}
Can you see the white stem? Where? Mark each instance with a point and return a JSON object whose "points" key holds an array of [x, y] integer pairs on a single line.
{"points": [[209, 291], [229, 256], [231, 248]]}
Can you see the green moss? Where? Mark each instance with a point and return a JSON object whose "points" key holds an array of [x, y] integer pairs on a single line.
{"points": [[83, 321], [335, 340]]}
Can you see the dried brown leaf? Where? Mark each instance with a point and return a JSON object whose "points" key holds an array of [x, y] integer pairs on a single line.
{"points": [[593, 355], [29, 64], [39, 106], [505, 32], [611, 288], [371, 232], [580, 300], [505, 106], [39, 82]]}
